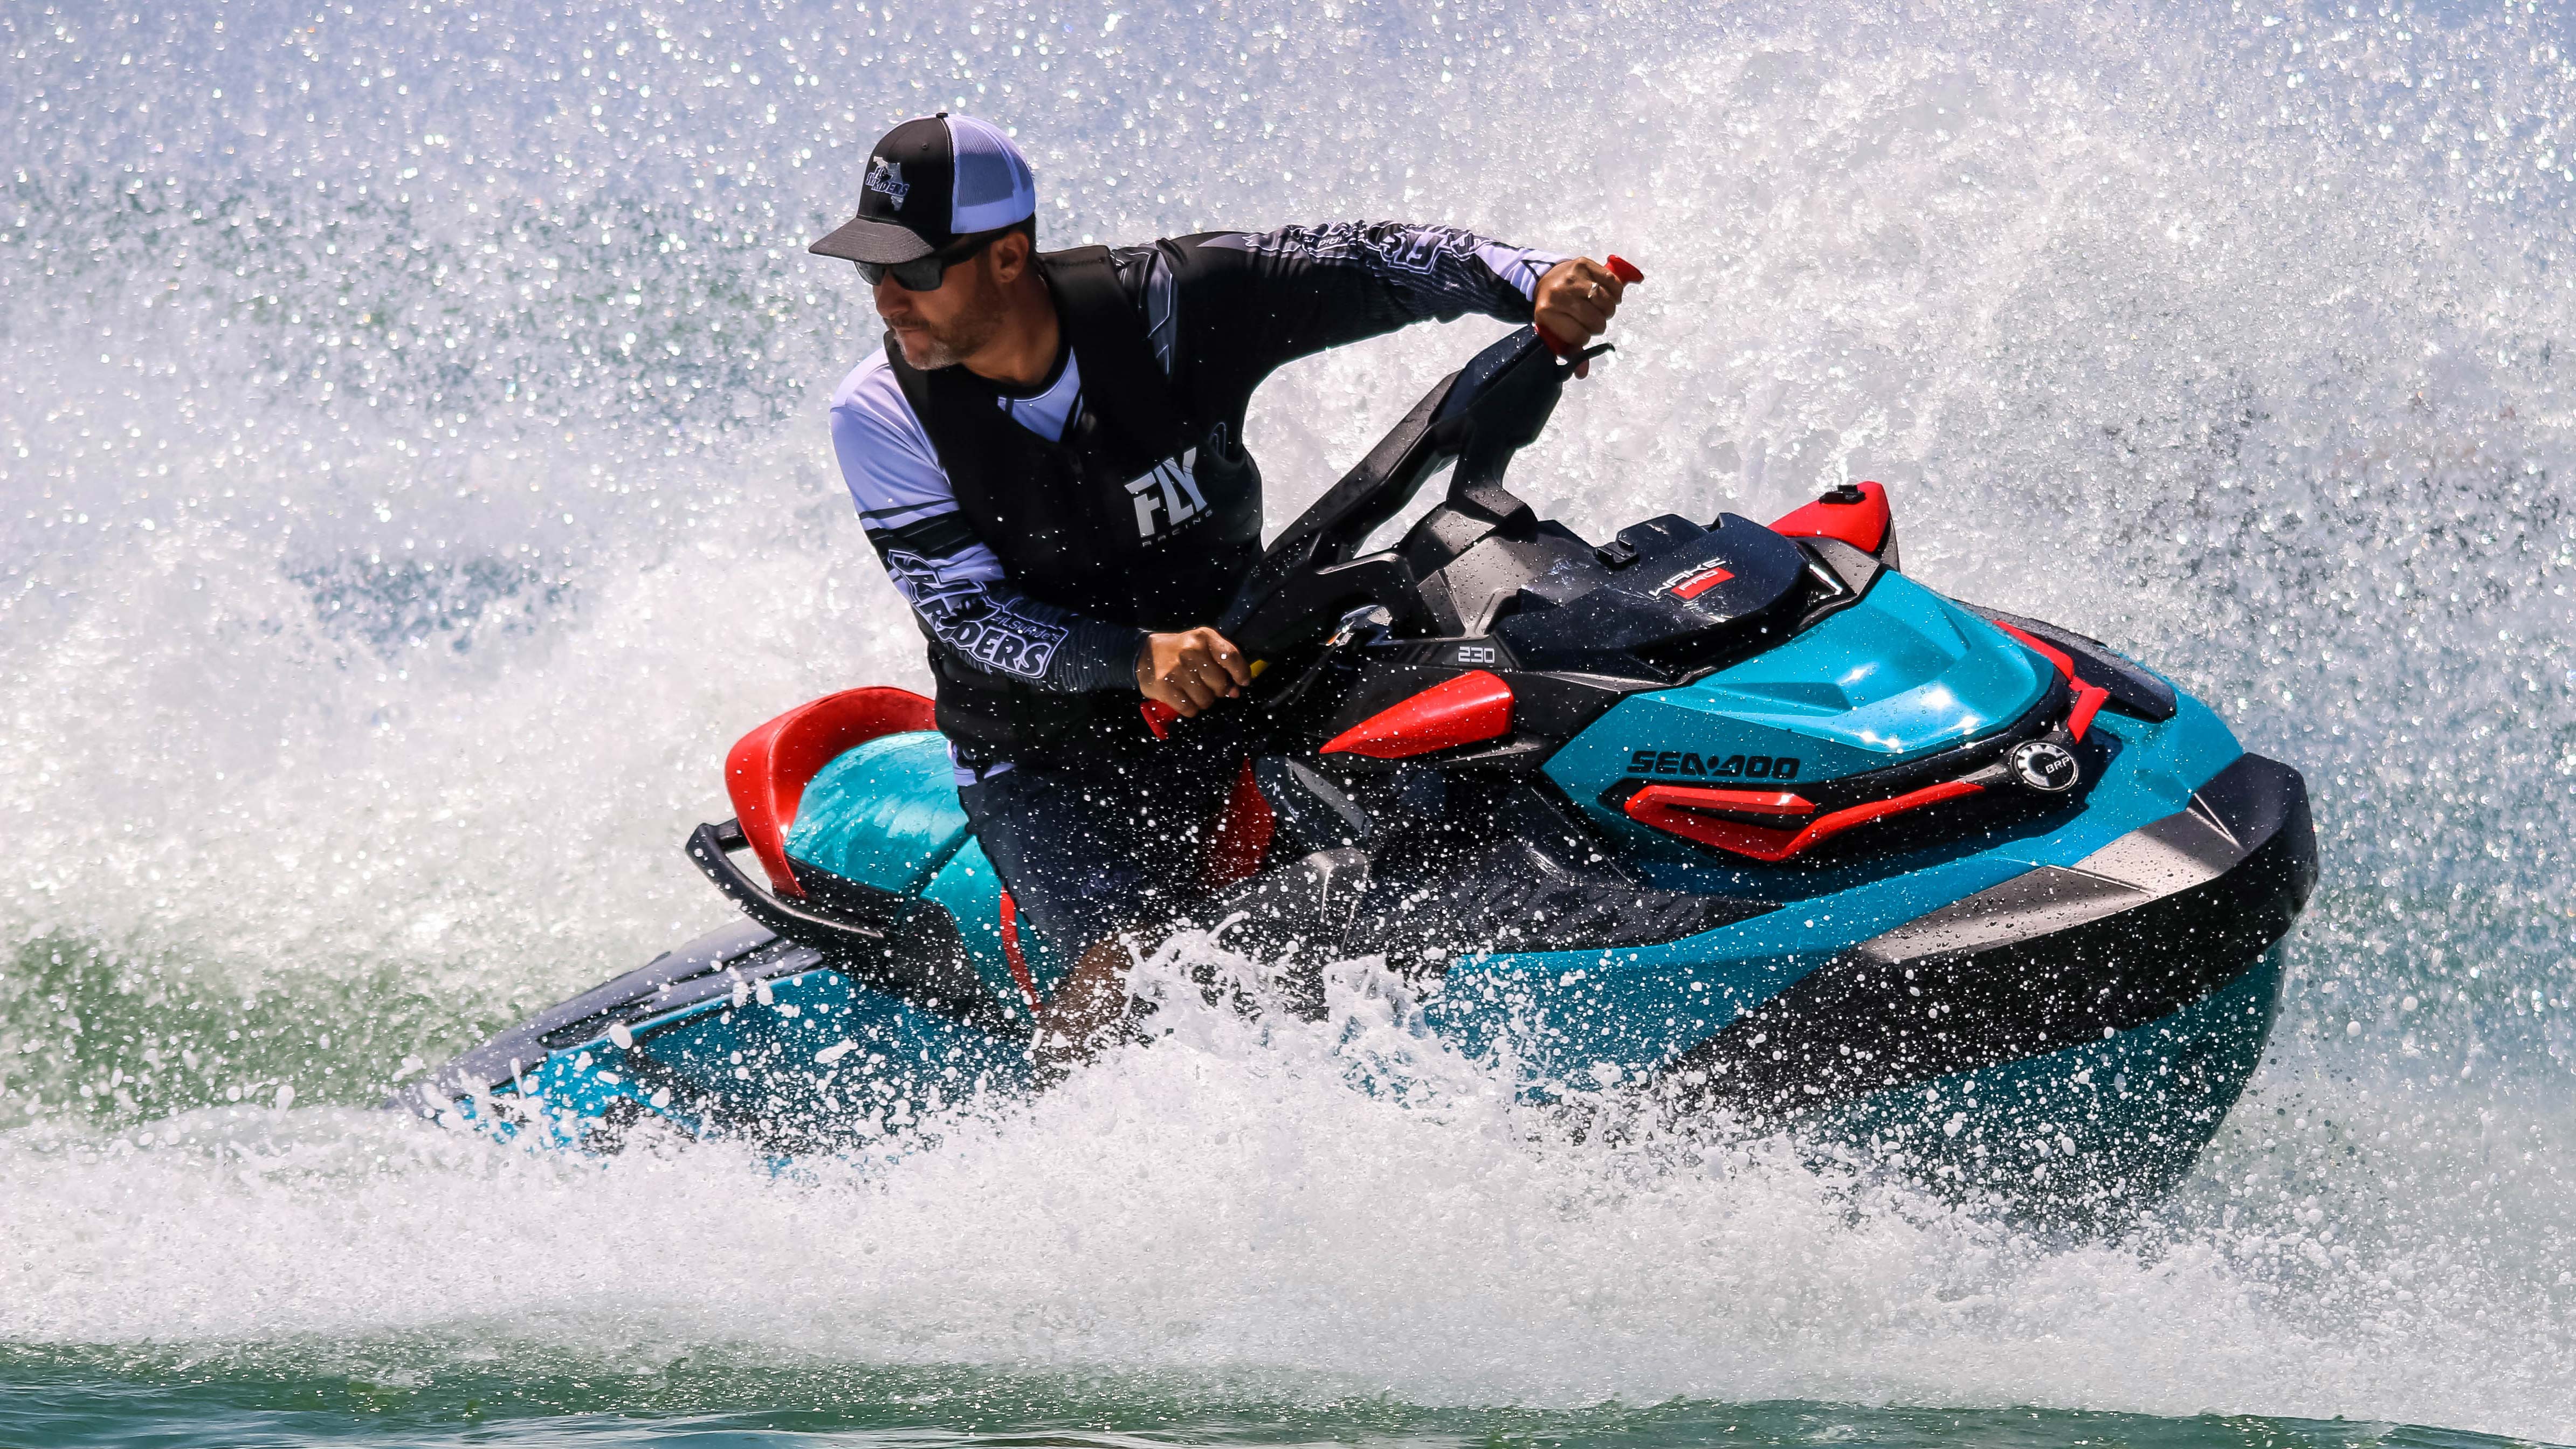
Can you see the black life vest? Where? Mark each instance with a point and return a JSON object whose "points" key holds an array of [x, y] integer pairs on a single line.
{"points": [[1140, 515]]}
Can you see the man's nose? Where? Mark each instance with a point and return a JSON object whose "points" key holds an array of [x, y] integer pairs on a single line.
{"points": [[889, 295]]}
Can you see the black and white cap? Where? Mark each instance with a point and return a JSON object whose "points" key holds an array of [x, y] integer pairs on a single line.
{"points": [[930, 181]]}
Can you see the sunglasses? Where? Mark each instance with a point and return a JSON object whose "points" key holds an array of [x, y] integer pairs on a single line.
{"points": [[924, 274]]}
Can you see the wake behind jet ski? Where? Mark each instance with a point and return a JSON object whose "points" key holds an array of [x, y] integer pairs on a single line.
{"points": [[1739, 815]]}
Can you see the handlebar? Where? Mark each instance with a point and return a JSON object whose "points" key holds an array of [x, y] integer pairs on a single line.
{"points": [[1477, 417]]}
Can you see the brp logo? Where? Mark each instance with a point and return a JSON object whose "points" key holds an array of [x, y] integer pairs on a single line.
{"points": [[2047, 766]]}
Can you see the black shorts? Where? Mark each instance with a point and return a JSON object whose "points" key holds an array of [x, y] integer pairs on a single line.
{"points": [[1091, 848]]}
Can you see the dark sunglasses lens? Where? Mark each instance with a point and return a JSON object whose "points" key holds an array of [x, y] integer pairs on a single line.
{"points": [[922, 274]]}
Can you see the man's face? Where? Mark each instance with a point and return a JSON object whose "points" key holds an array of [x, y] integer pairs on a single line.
{"points": [[949, 323]]}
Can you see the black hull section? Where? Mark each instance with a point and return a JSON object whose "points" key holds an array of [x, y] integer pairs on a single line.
{"points": [[2050, 960], [2084, 1137]]}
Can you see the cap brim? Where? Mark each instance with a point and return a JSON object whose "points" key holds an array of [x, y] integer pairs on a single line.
{"points": [[861, 239]]}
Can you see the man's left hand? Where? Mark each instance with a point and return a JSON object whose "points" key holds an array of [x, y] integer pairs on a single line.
{"points": [[1190, 671], [1574, 303]]}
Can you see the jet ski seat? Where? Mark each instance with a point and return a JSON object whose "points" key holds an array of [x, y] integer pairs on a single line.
{"points": [[864, 761], [767, 771]]}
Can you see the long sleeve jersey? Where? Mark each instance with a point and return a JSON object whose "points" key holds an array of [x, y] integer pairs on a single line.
{"points": [[1223, 310]]}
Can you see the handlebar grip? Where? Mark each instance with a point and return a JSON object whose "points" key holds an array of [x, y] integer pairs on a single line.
{"points": [[1620, 267]]}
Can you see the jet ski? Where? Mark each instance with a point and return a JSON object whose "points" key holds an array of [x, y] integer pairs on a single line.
{"points": [[1739, 819]]}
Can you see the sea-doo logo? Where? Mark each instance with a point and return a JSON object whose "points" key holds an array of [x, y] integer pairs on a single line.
{"points": [[1713, 767], [2046, 765], [887, 176]]}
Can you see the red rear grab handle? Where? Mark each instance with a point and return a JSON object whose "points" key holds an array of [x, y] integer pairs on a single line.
{"points": [[1620, 267]]}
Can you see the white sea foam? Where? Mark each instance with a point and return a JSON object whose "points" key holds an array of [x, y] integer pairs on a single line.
{"points": [[1228, 1202], [392, 543]]}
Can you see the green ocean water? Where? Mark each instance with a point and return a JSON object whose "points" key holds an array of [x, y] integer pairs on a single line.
{"points": [[751, 1406], [414, 478]]}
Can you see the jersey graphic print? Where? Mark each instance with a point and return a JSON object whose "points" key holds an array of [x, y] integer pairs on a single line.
{"points": [[1433, 268], [1169, 496], [967, 618]]}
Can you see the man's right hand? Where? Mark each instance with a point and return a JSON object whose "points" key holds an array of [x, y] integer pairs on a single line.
{"points": [[1190, 670], [1573, 304]]}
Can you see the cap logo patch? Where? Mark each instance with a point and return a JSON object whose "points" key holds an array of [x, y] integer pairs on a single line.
{"points": [[887, 176]]}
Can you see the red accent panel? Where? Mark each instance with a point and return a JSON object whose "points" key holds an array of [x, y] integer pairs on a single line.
{"points": [[1701, 582], [1458, 711], [768, 769], [2042, 648], [1243, 834], [1863, 525], [1748, 802], [1670, 808], [2088, 697], [1158, 717], [2088, 703], [1011, 950]]}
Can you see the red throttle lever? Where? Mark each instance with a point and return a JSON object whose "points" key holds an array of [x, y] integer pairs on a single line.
{"points": [[1620, 267]]}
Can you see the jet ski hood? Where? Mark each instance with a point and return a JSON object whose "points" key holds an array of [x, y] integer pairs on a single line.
{"points": [[1898, 678], [1903, 674]]}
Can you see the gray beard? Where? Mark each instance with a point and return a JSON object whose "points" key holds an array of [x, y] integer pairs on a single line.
{"points": [[961, 341], [934, 355]]}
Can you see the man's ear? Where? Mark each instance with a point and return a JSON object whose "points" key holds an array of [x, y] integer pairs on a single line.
{"points": [[1010, 253]]}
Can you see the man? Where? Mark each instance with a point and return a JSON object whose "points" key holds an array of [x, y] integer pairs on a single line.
{"points": [[1048, 456]]}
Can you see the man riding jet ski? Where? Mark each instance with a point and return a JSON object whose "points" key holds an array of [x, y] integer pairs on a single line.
{"points": [[1048, 455], [1737, 815]]}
